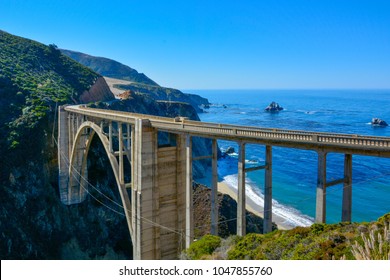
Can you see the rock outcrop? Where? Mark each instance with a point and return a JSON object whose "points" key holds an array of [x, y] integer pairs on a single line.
{"points": [[99, 91], [274, 107], [167, 94], [378, 122], [228, 152], [227, 214]]}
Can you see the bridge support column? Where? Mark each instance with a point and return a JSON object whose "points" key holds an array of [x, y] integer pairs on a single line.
{"points": [[241, 205], [321, 188], [347, 190], [267, 222], [189, 231], [181, 171], [214, 189], [134, 191], [145, 245], [121, 166], [63, 153]]}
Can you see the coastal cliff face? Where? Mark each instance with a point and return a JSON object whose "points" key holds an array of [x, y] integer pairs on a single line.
{"points": [[227, 211], [99, 91], [167, 94]]}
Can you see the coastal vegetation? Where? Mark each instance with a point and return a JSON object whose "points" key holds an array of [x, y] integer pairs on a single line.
{"points": [[34, 224], [34, 79], [317, 242]]}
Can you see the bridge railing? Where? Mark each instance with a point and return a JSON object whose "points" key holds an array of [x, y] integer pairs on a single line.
{"points": [[182, 125], [278, 134]]}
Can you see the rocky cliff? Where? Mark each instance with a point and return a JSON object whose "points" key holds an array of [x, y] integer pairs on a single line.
{"points": [[99, 91], [167, 94], [227, 207]]}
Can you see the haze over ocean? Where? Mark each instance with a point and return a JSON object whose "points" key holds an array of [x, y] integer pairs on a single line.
{"points": [[295, 171]]}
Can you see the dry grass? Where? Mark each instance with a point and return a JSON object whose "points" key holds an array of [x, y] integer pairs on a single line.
{"points": [[376, 245]]}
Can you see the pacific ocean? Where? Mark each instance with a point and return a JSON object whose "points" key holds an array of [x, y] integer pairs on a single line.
{"points": [[294, 170]]}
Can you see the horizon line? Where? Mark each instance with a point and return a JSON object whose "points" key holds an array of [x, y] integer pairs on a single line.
{"points": [[289, 89]]}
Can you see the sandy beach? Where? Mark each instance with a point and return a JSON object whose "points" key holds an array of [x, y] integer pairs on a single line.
{"points": [[252, 207]]}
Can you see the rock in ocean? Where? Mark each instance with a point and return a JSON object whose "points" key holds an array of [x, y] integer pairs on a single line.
{"points": [[378, 122], [274, 107]]}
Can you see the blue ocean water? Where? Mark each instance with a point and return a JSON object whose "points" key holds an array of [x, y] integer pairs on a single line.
{"points": [[295, 171]]}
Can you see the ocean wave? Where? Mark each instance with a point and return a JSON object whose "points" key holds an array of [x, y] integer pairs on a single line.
{"points": [[307, 112], [251, 161], [234, 154], [292, 216]]}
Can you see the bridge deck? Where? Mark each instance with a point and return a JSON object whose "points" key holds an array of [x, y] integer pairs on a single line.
{"points": [[329, 142]]}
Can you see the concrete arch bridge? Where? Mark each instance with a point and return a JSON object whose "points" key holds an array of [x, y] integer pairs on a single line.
{"points": [[157, 200]]}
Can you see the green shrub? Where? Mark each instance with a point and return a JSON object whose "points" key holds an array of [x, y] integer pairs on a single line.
{"points": [[317, 228], [205, 246], [246, 247]]}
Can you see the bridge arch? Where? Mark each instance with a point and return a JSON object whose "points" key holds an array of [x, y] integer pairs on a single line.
{"points": [[78, 168]]}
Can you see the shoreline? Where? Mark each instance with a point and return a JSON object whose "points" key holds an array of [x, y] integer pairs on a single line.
{"points": [[254, 208]]}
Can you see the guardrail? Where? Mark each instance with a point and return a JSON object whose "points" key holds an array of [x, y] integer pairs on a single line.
{"points": [[244, 133]]}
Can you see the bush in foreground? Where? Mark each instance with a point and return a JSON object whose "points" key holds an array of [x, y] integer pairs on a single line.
{"points": [[318, 242]]}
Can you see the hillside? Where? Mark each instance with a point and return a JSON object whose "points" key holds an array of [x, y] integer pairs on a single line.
{"points": [[139, 83], [167, 94], [109, 68], [34, 224], [34, 79]]}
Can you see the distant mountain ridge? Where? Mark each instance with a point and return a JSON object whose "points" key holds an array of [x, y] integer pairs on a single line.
{"points": [[109, 68], [139, 82]]}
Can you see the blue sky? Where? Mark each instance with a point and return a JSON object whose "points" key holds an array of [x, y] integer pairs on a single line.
{"points": [[221, 44]]}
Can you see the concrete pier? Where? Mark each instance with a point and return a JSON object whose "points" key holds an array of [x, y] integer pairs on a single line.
{"points": [[63, 154], [323, 184], [189, 194], [346, 215], [241, 204], [214, 189], [267, 224], [321, 188]]}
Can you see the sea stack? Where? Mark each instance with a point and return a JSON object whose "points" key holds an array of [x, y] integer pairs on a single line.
{"points": [[378, 122], [274, 107]]}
